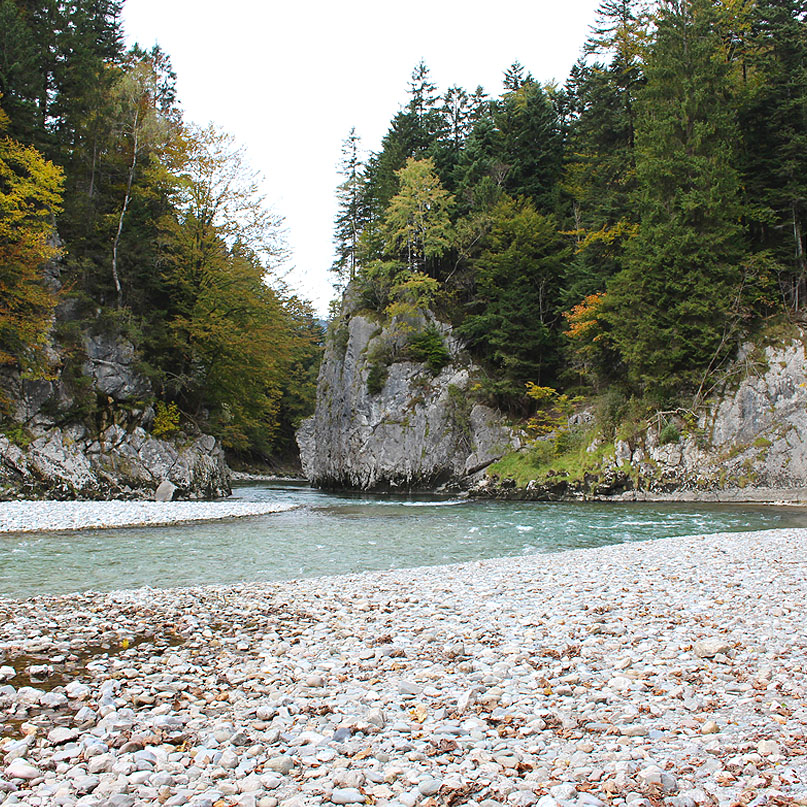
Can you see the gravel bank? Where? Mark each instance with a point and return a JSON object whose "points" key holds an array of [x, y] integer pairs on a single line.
{"points": [[670, 672], [38, 516]]}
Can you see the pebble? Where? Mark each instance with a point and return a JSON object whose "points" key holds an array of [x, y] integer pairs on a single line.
{"points": [[347, 795], [670, 672], [709, 648], [21, 769]]}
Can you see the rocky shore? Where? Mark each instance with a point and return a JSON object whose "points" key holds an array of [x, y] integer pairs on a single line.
{"points": [[39, 516], [670, 672]]}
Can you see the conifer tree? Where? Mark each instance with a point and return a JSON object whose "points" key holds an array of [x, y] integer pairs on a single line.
{"points": [[775, 129], [351, 215], [671, 305]]}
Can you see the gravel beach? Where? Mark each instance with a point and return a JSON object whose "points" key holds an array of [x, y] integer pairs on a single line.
{"points": [[39, 516], [669, 672]]}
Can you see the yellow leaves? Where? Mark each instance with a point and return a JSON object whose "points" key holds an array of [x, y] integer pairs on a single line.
{"points": [[554, 409], [419, 713], [30, 196], [607, 235], [417, 222], [166, 420]]}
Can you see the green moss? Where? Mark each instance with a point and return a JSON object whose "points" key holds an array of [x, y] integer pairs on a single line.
{"points": [[762, 442]]}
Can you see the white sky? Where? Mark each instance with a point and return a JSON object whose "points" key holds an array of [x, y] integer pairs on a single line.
{"points": [[289, 79]]}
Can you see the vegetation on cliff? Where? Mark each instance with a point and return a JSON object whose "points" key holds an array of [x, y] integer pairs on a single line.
{"points": [[164, 236], [619, 236]]}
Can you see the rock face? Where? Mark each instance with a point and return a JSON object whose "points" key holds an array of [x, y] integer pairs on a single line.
{"points": [[753, 437], [750, 444], [419, 431], [56, 454], [111, 365]]}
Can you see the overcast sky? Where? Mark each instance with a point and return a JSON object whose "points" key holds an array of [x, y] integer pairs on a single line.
{"points": [[289, 79]]}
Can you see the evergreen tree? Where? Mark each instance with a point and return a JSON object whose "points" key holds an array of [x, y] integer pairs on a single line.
{"points": [[352, 215], [516, 76], [531, 144], [775, 130], [670, 308], [20, 76], [512, 322]]}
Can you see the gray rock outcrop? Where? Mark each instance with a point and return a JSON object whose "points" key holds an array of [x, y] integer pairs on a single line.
{"points": [[420, 430], [112, 367], [748, 444], [52, 453], [753, 436], [68, 463]]}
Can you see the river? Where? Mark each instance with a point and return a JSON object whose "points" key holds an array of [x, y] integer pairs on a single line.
{"points": [[330, 534]]}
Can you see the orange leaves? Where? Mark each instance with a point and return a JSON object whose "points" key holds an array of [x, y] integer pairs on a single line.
{"points": [[584, 319]]}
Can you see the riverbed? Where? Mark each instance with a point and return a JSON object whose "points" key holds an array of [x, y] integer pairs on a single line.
{"points": [[666, 672], [321, 533], [325, 533]]}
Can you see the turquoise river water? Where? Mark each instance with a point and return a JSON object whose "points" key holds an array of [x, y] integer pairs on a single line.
{"points": [[335, 534]]}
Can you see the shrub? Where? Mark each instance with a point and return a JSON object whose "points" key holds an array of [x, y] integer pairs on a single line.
{"points": [[166, 419], [669, 434], [610, 411], [377, 377], [18, 435], [429, 348]]}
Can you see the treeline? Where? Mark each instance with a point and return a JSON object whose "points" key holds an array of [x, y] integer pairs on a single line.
{"points": [[624, 231], [159, 225]]}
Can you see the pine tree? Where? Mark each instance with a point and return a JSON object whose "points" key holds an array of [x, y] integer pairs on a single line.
{"points": [[531, 143], [775, 133], [512, 321]]}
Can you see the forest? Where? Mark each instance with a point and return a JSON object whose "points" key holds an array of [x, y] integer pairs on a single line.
{"points": [[619, 235], [156, 229]]}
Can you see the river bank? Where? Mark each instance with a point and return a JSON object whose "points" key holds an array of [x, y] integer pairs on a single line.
{"points": [[40, 516], [562, 492], [672, 670]]}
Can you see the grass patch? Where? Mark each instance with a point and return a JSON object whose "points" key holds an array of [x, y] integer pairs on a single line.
{"points": [[564, 456]]}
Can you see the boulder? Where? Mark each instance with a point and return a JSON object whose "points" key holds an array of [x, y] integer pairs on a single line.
{"points": [[165, 491]]}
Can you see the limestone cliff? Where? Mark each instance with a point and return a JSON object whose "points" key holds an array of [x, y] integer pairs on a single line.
{"points": [[394, 423], [56, 450], [748, 443]]}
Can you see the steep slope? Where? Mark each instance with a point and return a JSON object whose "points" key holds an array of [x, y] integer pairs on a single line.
{"points": [[395, 423], [749, 443], [58, 450]]}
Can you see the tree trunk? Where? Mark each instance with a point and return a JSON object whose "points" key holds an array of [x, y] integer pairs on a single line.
{"points": [[801, 262], [126, 199]]}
